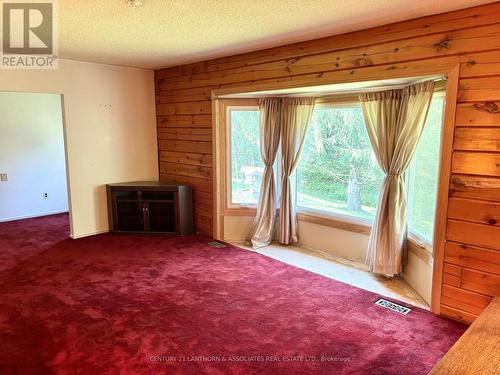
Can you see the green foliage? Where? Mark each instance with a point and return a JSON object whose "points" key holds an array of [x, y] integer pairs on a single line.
{"points": [[245, 152], [422, 175], [337, 150], [245, 139], [336, 143]]}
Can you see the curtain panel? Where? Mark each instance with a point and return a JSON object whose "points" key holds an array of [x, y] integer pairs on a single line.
{"points": [[296, 118], [394, 120], [263, 226], [284, 120]]}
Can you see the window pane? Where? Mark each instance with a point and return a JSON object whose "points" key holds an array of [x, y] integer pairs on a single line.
{"points": [[422, 175], [246, 162], [338, 171]]}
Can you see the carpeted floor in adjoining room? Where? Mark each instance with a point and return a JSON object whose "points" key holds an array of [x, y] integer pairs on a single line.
{"points": [[112, 304]]}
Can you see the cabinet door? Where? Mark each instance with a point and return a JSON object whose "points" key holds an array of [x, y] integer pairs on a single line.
{"points": [[162, 216], [129, 215]]}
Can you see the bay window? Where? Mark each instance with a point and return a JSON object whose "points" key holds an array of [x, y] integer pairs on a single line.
{"points": [[338, 175]]}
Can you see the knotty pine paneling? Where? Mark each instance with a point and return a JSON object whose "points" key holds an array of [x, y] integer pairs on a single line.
{"points": [[472, 280], [452, 275], [188, 108], [429, 46], [469, 38], [479, 89], [186, 158], [472, 257], [476, 163], [480, 65], [480, 282], [464, 300], [458, 314], [186, 121], [477, 139], [186, 170], [185, 146], [478, 113], [475, 187], [475, 211], [475, 234], [186, 134]]}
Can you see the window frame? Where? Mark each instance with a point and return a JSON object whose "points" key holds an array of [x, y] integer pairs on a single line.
{"points": [[358, 224], [326, 218], [228, 175], [413, 237]]}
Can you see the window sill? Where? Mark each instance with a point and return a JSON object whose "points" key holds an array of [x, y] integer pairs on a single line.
{"points": [[308, 217], [421, 250], [239, 211], [334, 222]]}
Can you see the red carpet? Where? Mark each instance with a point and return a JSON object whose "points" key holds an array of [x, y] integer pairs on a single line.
{"points": [[142, 305]]}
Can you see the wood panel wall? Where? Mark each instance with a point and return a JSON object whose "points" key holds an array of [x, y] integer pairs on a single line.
{"points": [[470, 38]]}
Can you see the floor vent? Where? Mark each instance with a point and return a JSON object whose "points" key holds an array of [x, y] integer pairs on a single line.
{"points": [[216, 244], [392, 306]]}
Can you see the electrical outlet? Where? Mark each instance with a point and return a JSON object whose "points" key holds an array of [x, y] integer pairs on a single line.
{"points": [[3, 177], [45, 195]]}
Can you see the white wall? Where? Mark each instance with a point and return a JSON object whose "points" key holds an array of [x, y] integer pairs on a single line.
{"points": [[109, 128], [32, 154], [418, 274]]}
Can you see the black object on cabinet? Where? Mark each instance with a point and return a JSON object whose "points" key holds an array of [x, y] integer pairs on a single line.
{"points": [[150, 207]]}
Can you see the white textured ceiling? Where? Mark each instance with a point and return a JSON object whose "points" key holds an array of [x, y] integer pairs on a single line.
{"points": [[172, 32]]}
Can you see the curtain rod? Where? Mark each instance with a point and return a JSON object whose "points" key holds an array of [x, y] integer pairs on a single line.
{"points": [[322, 94]]}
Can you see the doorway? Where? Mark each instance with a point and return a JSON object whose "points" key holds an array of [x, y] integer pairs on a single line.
{"points": [[33, 170]]}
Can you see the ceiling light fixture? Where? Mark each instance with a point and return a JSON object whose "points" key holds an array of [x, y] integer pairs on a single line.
{"points": [[135, 3]]}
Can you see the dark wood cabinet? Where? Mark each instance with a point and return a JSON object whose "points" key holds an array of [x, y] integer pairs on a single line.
{"points": [[150, 207]]}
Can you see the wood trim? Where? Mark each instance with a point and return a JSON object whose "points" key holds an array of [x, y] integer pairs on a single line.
{"points": [[240, 211], [443, 186], [423, 252], [334, 223], [218, 222], [219, 145], [224, 147]]}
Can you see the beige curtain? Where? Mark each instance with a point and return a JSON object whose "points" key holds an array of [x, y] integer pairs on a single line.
{"points": [[263, 226], [394, 120], [296, 117]]}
